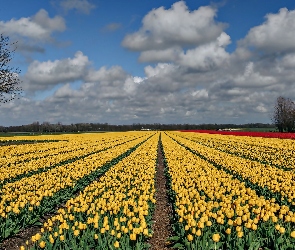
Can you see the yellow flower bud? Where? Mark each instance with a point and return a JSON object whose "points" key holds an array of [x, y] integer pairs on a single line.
{"points": [[199, 232], [216, 237], [240, 234], [282, 230], [116, 244], [132, 236], [42, 244], [209, 223], [190, 237], [51, 240], [38, 236]]}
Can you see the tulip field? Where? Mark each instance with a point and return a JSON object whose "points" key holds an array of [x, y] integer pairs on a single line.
{"points": [[98, 190]]}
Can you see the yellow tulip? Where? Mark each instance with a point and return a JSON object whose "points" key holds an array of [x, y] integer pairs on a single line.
{"points": [[116, 244], [216, 237], [42, 244], [190, 237]]}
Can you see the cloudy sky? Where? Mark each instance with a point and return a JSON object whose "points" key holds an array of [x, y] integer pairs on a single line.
{"points": [[131, 61]]}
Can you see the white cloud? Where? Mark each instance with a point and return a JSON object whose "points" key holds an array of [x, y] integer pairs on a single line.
{"points": [[250, 78], [208, 56], [38, 27], [44, 75], [288, 61], [130, 85], [138, 79], [82, 6], [275, 34], [161, 68], [177, 35], [177, 26], [165, 55], [200, 94], [106, 76], [261, 108], [66, 91]]}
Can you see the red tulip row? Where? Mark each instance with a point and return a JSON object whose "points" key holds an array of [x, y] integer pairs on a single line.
{"points": [[247, 133]]}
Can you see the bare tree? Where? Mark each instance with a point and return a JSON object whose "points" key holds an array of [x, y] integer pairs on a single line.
{"points": [[9, 76], [284, 114]]}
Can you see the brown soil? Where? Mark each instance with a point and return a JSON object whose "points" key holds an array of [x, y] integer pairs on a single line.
{"points": [[162, 226], [14, 242], [18, 240]]}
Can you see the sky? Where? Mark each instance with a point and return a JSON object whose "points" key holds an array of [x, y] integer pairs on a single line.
{"points": [[124, 62]]}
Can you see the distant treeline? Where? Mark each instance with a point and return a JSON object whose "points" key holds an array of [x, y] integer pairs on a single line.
{"points": [[47, 127]]}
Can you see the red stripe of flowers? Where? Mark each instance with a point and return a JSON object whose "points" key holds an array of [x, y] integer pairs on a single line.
{"points": [[247, 133]]}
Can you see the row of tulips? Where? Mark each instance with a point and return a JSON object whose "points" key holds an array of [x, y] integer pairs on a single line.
{"points": [[214, 210], [23, 202], [20, 148], [278, 152], [113, 212], [268, 180], [5, 142], [15, 167]]}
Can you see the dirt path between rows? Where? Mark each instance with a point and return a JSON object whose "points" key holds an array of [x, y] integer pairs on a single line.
{"points": [[161, 227]]}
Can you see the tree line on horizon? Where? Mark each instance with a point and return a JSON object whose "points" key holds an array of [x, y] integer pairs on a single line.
{"points": [[47, 127]]}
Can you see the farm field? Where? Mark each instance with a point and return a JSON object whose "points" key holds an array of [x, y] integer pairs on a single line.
{"points": [[98, 191]]}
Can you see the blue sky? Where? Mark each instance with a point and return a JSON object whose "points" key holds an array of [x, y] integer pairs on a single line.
{"points": [[131, 61]]}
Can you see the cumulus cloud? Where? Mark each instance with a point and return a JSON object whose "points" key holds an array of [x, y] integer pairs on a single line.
{"points": [[44, 75], [82, 6], [191, 39], [275, 34], [177, 26], [288, 61], [38, 27], [33, 32], [165, 55], [66, 91], [106, 76], [159, 69], [208, 56], [254, 79]]}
